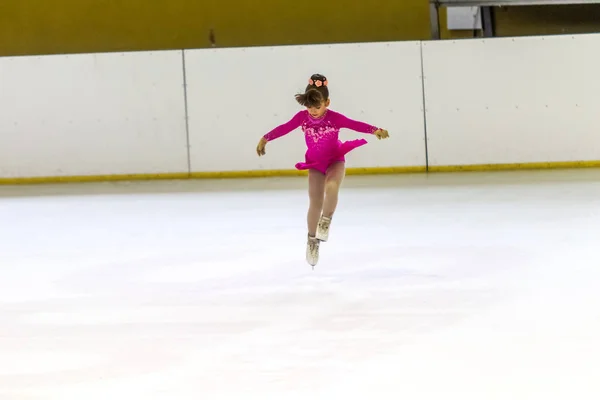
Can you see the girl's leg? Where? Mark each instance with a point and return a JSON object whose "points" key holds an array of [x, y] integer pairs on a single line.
{"points": [[333, 182], [316, 193]]}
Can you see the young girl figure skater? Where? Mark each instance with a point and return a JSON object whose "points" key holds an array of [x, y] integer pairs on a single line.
{"points": [[324, 158]]}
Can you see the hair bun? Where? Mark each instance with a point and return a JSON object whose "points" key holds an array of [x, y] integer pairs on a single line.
{"points": [[317, 80]]}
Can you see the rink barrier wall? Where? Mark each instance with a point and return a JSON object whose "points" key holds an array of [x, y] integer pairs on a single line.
{"points": [[255, 98], [155, 115], [92, 115], [509, 101]]}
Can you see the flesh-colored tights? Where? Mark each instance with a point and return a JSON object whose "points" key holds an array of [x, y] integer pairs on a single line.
{"points": [[323, 191]]}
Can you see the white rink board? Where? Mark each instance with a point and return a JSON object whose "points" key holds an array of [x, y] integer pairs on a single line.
{"points": [[237, 95], [92, 114], [496, 101]]}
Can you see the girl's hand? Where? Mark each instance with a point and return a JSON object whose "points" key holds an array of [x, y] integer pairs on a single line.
{"points": [[260, 149], [381, 134]]}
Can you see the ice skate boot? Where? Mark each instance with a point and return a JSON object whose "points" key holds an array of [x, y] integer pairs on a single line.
{"points": [[323, 228], [312, 250]]}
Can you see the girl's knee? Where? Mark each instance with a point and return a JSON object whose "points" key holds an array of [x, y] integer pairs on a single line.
{"points": [[331, 187]]}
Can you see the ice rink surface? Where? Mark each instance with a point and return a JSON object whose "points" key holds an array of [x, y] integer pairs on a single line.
{"points": [[447, 286]]}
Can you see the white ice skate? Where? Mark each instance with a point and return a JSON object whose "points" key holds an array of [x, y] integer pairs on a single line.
{"points": [[323, 228], [312, 250]]}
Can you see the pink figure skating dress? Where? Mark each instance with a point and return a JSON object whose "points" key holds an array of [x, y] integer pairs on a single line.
{"points": [[322, 137]]}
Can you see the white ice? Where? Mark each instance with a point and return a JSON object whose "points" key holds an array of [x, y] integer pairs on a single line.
{"points": [[449, 286]]}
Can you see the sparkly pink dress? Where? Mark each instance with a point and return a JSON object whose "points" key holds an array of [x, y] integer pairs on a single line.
{"points": [[321, 136]]}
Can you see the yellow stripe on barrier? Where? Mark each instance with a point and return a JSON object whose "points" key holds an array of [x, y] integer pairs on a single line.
{"points": [[515, 166], [91, 178], [293, 172]]}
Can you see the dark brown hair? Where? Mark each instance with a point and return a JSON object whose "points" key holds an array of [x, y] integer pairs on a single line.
{"points": [[314, 95]]}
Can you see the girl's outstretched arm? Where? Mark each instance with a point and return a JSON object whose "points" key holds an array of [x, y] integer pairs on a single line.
{"points": [[285, 128], [344, 122]]}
